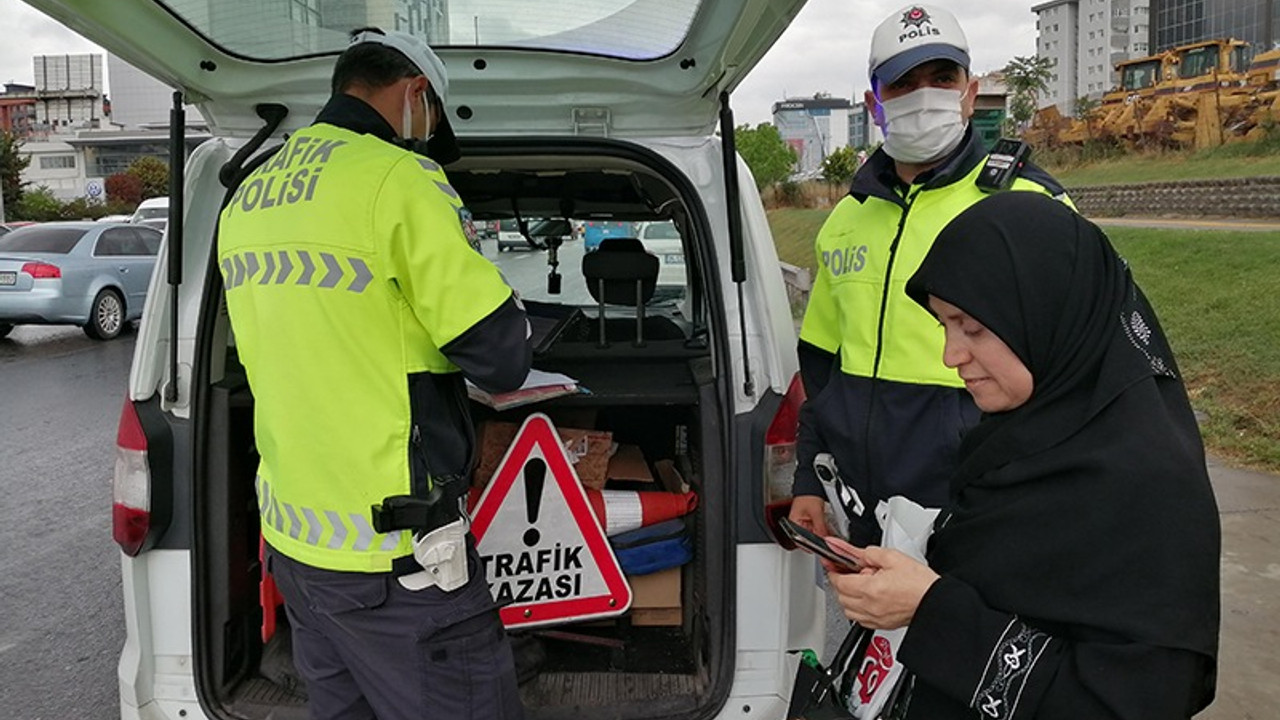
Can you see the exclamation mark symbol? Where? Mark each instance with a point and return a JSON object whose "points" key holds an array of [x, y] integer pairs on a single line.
{"points": [[535, 475]]}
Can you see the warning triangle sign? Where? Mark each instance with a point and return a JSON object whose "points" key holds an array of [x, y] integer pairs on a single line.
{"points": [[545, 555]]}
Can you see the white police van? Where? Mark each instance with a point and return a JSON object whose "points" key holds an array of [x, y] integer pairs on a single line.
{"points": [[586, 111]]}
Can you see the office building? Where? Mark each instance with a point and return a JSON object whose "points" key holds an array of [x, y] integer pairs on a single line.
{"points": [[67, 95], [1180, 22], [813, 127], [1084, 39]]}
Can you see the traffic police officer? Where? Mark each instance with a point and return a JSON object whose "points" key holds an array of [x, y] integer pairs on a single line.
{"points": [[884, 416], [358, 307]]}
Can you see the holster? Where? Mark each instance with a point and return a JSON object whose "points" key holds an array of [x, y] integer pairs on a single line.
{"points": [[422, 515]]}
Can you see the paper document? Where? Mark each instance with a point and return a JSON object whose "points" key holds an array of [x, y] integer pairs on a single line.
{"points": [[538, 385]]}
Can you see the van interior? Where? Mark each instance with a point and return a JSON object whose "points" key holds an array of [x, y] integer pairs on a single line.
{"points": [[649, 358]]}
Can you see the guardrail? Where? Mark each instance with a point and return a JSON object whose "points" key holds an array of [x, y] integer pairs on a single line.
{"points": [[799, 282]]}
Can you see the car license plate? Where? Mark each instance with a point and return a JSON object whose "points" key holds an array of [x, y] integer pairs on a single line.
{"points": [[676, 259], [8, 278]]}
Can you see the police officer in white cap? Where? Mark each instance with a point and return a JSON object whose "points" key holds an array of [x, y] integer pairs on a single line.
{"points": [[359, 307], [884, 415]]}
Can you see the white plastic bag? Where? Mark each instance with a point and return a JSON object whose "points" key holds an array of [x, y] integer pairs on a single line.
{"points": [[906, 528]]}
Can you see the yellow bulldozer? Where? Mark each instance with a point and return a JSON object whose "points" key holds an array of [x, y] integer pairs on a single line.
{"points": [[1193, 96]]}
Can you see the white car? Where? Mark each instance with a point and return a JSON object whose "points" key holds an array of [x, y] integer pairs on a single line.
{"points": [[663, 239], [156, 208], [605, 109]]}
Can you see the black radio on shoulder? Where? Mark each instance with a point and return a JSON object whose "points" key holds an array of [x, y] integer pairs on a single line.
{"points": [[1004, 162]]}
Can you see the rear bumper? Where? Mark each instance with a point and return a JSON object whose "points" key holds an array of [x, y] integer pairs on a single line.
{"points": [[40, 305]]}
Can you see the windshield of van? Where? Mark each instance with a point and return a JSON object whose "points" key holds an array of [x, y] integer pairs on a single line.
{"points": [[630, 29], [525, 267]]}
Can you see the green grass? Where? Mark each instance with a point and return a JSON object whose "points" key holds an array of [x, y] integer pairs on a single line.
{"points": [[793, 234], [1229, 161], [1216, 296], [1215, 293]]}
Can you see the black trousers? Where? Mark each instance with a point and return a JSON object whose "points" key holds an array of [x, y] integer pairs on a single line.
{"points": [[369, 649]]}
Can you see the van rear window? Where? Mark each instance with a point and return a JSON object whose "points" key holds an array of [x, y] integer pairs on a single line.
{"points": [[58, 241], [628, 29]]}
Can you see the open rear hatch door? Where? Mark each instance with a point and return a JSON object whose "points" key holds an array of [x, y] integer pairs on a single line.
{"points": [[616, 67]]}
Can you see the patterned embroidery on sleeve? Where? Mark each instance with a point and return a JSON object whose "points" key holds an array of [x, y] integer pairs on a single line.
{"points": [[1007, 671]]}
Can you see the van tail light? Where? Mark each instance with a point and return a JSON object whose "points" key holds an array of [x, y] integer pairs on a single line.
{"points": [[780, 443], [40, 270], [780, 460], [131, 487]]}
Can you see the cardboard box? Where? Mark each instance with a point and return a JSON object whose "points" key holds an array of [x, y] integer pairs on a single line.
{"points": [[589, 450], [670, 477], [627, 465], [655, 598]]}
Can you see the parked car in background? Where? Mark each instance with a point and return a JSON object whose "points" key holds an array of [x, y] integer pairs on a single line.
{"points": [[90, 274], [10, 226], [159, 223], [115, 218], [487, 229], [510, 238], [157, 207], [663, 239], [595, 231]]}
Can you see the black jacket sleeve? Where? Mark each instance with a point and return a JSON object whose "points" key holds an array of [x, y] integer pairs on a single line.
{"points": [[495, 353], [981, 659], [816, 368]]}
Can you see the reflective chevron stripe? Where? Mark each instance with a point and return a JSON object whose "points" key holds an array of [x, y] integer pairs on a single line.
{"points": [[328, 529], [286, 267], [447, 189], [240, 268]]}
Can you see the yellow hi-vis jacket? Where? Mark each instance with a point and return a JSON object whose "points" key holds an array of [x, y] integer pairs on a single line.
{"points": [[890, 413], [346, 268], [866, 251]]}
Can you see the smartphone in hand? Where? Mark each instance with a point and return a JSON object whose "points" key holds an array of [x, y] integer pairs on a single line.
{"points": [[804, 538]]}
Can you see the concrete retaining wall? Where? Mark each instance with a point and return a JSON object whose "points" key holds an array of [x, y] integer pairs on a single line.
{"points": [[1257, 197]]}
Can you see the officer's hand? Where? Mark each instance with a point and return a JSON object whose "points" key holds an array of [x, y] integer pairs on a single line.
{"points": [[810, 512]]}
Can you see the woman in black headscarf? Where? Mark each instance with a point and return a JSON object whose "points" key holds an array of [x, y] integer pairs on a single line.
{"points": [[1075, 574]]}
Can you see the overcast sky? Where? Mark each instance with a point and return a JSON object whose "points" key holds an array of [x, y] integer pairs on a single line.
{"points": [[824, 50]]}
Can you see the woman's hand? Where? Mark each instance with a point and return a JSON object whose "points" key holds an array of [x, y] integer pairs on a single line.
{"points": [[886, 593]]}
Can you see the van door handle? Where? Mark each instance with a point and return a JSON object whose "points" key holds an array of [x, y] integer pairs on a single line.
{"points": [[123, 269]]}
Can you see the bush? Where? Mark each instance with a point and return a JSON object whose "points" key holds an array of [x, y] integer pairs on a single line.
{"points": [[124, 188], [807, 194], [1072, 156], [153, 173], [38, 205]]}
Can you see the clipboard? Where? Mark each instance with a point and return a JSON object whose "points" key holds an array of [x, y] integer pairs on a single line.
{"points": [[547, 322]]}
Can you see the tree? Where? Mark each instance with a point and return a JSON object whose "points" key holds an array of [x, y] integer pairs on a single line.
{"points": [[838, 168], [1026, 78], [153, 173], [39, 205], [769, 157], [1084, 108], [12, 163], [124, 188]]}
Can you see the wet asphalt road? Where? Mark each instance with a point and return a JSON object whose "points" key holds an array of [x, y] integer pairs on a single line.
{"points": [[61, 613]]}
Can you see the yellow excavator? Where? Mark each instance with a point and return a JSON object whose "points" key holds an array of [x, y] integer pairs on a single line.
{"points": [[1197, 95]]}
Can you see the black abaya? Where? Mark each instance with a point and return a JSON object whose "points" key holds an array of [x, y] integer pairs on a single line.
{"points": [[1079, 557]]}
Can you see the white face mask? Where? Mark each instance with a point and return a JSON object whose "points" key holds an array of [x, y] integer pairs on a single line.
{"points": [[923, 125], [406, 118]]}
